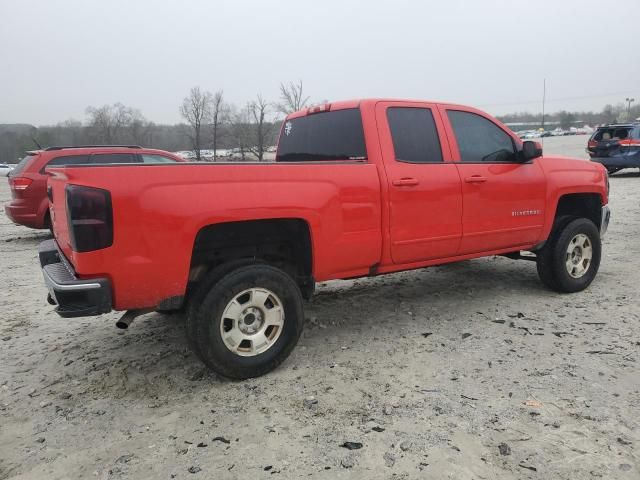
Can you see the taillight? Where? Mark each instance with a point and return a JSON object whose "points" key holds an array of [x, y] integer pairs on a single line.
{"points": [[592, 143], [90, 218], [19, 183]]}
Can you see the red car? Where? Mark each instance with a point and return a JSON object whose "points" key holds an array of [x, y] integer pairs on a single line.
{"points": [[359, 188], [28, 180]]}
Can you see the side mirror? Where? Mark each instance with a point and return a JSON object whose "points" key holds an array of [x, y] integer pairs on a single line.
{"points": [[530, 150]]}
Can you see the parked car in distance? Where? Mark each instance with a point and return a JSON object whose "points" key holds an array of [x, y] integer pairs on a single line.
{"points": [[28, 180], [526, 134], [358, 188], [5, 169], [616, 146]]}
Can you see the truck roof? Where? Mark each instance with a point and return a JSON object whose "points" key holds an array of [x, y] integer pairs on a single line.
{"points": [[90, 146], [355, 103]]}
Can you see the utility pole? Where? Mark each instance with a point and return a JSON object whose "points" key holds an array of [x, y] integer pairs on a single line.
{"points": [[629, 100], [544, 97]]}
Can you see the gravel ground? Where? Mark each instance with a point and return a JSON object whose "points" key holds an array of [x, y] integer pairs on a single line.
{"points": [[465, 371]]}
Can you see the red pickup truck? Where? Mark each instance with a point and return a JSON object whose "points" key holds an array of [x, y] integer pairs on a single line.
{"points": [[358, 188]]}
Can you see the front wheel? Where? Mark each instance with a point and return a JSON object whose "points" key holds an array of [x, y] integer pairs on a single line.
{"points": [[248, 322], [570, 260]]}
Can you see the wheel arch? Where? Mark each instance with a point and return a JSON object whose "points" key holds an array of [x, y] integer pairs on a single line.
{"points": [[283, 242], [577, 204]]}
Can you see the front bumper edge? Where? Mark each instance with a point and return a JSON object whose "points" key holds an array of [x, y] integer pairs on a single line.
{"points": [[604, 220]]}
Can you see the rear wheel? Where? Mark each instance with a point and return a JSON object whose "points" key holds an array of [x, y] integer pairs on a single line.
{"points": [[200, 293], [248, 322], [570, 260]]}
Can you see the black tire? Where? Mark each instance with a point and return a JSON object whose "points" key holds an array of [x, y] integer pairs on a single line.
{"points": [[543, 260], [205, 318], [551, 260], [199, 294], [47, 223]]}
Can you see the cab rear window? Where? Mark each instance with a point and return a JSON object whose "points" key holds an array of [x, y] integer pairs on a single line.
{"points": [[336, 135]]}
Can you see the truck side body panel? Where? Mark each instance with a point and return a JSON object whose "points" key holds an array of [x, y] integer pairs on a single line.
{"points": [[160, 209]]}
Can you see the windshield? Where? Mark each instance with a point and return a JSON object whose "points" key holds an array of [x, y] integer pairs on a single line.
{"points": [[336, 135], [21, 165]]}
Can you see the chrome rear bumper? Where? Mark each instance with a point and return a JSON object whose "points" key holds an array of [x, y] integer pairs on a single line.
{"points": [[72, 296]]}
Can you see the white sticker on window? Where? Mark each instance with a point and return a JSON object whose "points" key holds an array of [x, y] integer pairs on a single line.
{"points": [[287, 128]]}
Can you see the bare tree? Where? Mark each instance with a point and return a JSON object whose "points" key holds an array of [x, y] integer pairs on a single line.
{"points": [[219, 116], [69, 132], [257, 111], [291, 98], [240, 130], [140, 131], [109, 121], [196, 109]]}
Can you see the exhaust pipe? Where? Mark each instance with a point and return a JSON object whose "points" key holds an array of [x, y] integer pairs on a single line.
{"points": [[129, 316]]}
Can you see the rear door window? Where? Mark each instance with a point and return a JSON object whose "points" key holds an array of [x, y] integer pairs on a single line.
{"points": [[149, 158], [336, 135], [480, 140], [113, 158], [414, 135]]}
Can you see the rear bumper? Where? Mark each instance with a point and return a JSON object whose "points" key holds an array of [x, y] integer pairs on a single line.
{"points": [[24, 215], [72, 296], [604, 220]]}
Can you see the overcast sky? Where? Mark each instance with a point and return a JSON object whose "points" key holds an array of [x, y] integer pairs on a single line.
{"points": [[58, 57]]}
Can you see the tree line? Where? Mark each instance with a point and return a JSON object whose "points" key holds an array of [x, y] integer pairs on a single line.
{"points": [[211, 123], [619, 113]]}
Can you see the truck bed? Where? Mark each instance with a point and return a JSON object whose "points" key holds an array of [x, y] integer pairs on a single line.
{"points": [[161, 208]]}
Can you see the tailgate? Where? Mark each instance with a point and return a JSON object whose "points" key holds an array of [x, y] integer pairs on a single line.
{"points": [[56, 184]]}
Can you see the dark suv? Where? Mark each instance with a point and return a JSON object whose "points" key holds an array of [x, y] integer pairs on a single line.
{"points": [[28, 181], [616, 146]]}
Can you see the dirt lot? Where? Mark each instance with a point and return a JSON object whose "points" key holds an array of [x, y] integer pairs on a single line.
{"points": [[464, 371]]}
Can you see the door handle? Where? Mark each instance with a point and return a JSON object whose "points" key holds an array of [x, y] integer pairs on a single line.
{"points": [[475, 179], [405, 182]]}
